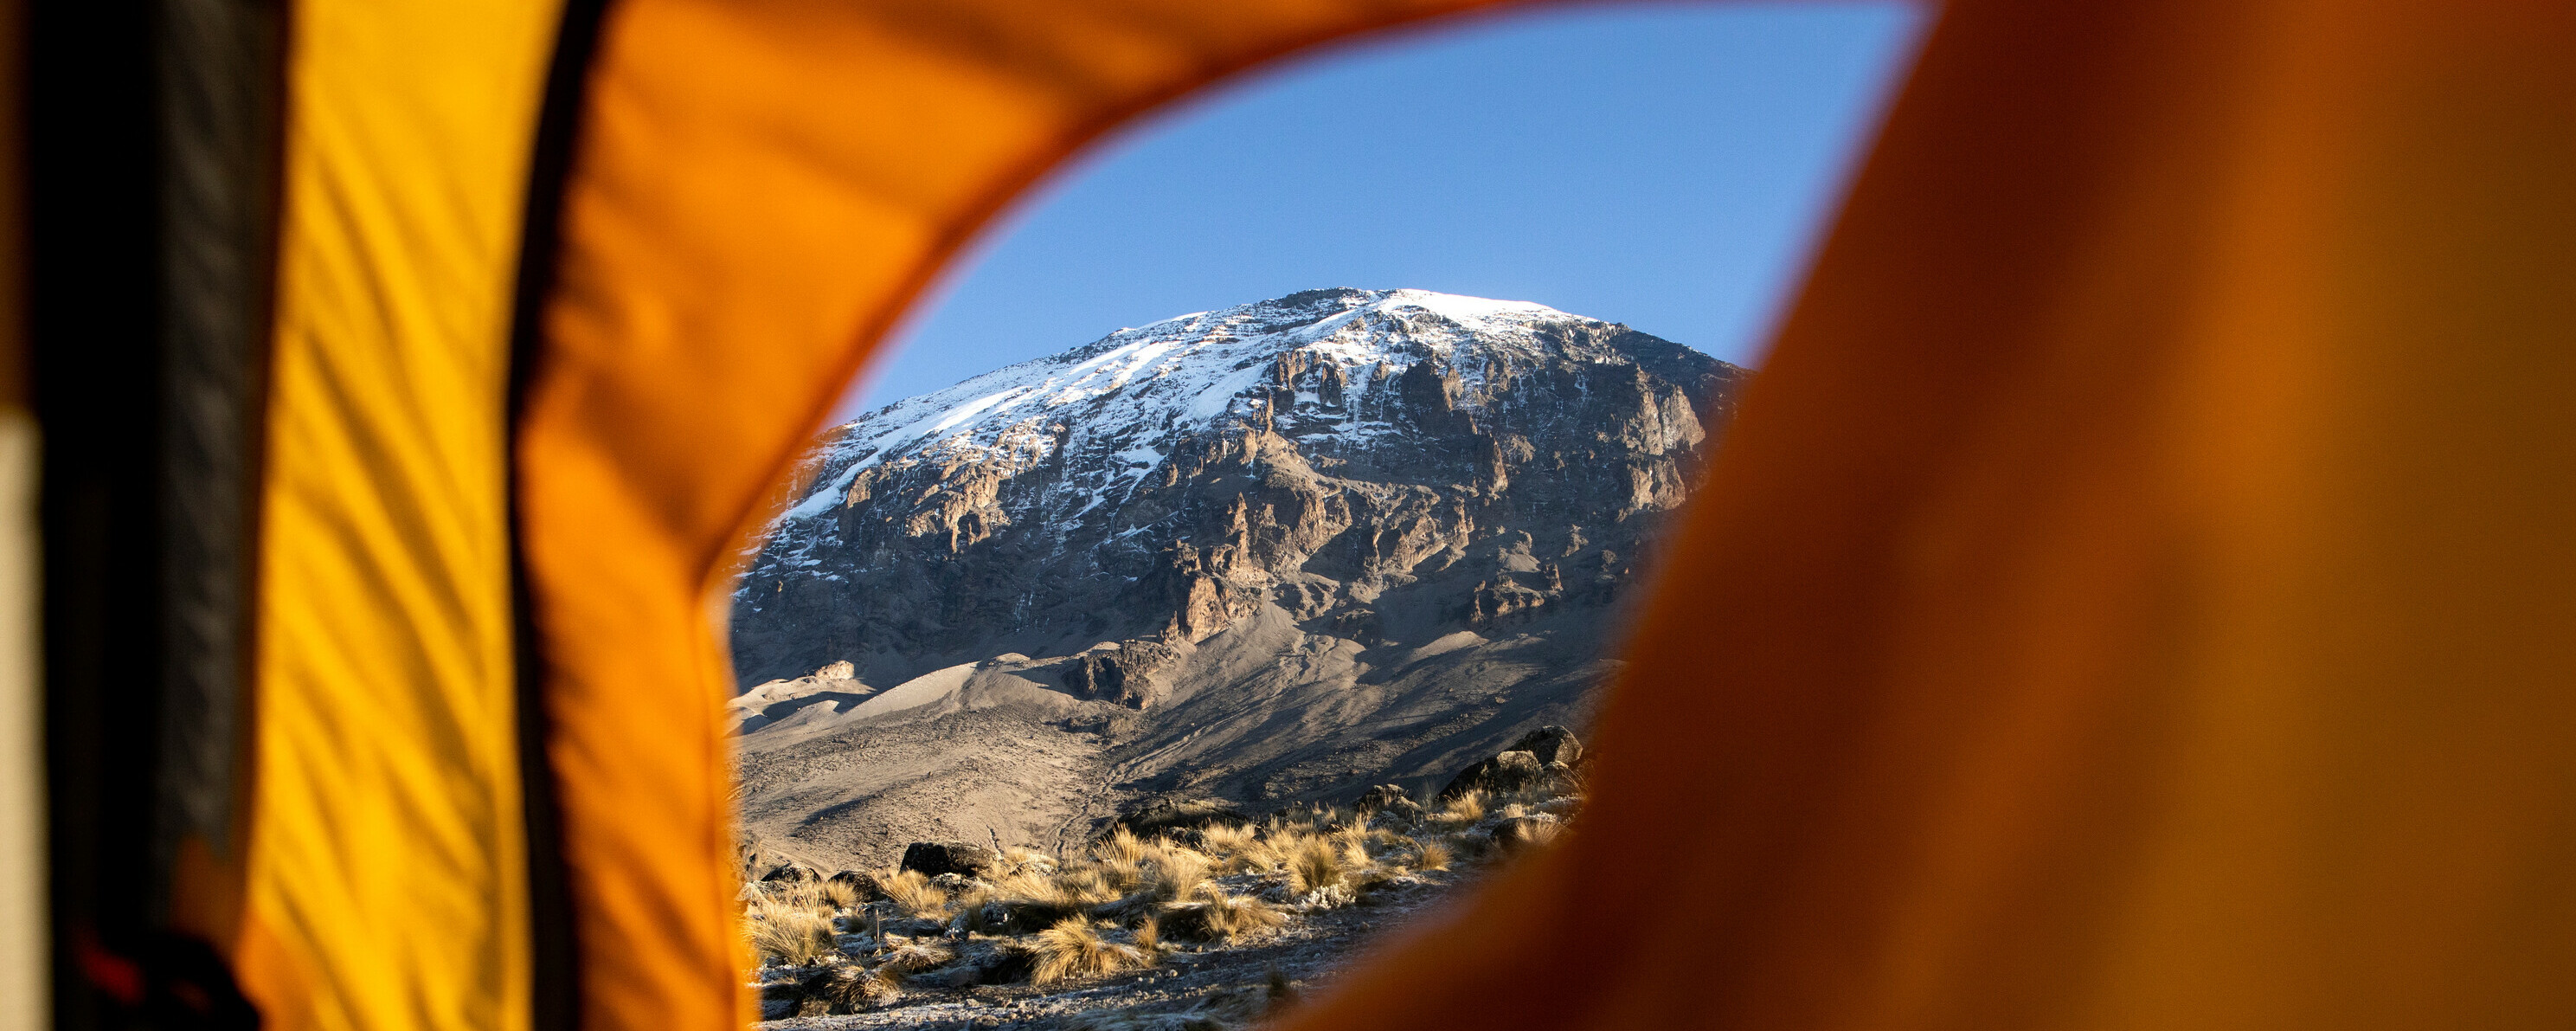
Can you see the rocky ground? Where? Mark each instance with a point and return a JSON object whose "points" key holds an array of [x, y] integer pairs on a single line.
{"points": [[1192, 988], [1186, 915]]}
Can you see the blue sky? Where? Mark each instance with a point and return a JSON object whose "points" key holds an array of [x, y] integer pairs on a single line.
{"points": [[1666, 165]]}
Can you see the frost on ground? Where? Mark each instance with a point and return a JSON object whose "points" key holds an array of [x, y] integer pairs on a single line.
{"points": [[1206, 920]]}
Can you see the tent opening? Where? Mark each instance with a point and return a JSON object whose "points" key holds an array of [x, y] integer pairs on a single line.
{"points": [[1333, 570]]}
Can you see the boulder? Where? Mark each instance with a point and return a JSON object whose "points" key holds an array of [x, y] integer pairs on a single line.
{"points": [[932, 858], [1124, 674], [1391, 800], [841, 670], [1506, 772], [1551, 744], [863, 881], [1561, 779], [780, 1000], [1380, 797], [791, 871]]}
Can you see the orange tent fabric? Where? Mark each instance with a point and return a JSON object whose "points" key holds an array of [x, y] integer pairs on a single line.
{"points": [[2056, 646], [2138, 591], [384, 882], [760, 191]]}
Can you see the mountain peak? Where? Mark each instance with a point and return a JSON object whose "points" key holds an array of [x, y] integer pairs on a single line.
{"points": [[1338, 537], [1210, 368]]}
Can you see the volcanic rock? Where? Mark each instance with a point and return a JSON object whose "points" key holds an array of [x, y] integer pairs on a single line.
{"points": [[791, 872], [933, 858], [1505, 772], [1550, 744]]}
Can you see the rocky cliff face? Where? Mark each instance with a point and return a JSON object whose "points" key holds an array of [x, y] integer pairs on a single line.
{"points": [[1328, 492]]}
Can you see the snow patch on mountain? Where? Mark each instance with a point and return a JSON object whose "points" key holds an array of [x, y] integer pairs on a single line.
{"points": [[1118, 395]]}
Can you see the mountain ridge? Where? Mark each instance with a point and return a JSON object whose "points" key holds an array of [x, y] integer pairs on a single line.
{"points": [[1257, 552]]}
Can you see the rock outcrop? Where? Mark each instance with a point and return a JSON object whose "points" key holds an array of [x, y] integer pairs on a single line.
{"points": [[1550, 745], [1506, 771], [1121, 672], [935, 858]]}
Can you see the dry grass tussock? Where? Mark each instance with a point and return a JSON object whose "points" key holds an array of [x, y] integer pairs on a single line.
{"points": [[1313, 864], [1032, 898], [1224, 839], [1355, 857], [1236, 850], [1121, 905], [788, 935], [1120, 858], [913, 895], [1089, 885], [1173, 872], [848, 989], [1211, 915], [1432, 855], [804, 895], [913, 955], [1121, 846], [1074, 948]]}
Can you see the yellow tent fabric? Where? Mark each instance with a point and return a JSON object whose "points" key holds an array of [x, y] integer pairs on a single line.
{"points": [[383, 886], [24, 994]]}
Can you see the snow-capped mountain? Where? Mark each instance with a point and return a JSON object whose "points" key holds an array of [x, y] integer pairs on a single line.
{"points": [[1347, 476]]}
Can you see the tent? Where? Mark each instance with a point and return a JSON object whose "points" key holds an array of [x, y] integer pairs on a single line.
{"points": [[2138, 593]]}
